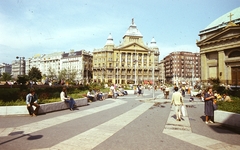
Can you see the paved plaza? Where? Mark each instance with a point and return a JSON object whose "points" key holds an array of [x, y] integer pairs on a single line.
{"points": [[128, 122]]}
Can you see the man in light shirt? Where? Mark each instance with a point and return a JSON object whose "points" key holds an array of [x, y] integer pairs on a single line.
{"points": [[177, 101]]}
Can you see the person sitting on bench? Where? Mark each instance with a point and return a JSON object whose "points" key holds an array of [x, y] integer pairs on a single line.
{"points": [[90, 96], [66, 99]]}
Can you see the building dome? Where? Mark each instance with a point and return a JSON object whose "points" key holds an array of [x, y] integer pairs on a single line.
{"points": [[153, 44], [225, 19], [132, 30], [109, 40]]}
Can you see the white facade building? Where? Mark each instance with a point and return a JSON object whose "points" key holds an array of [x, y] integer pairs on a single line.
{"points": [[18, 68], [34, 61], [5, 68], [79, 61], [52, 64]]}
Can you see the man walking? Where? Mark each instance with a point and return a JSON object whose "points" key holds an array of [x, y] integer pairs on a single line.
{"points": [[177, 100]]}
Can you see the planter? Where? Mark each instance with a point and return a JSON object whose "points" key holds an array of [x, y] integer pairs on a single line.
{"points": [[227, 118]]}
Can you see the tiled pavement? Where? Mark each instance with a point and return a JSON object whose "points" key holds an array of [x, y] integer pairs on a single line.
{"points": [[91, 138]]}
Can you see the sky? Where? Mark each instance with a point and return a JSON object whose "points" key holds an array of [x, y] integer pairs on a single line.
{"points": [[29, 27]]}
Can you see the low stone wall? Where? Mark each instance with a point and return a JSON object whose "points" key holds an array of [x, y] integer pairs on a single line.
{"points": [[44, 108], [227, 118]]}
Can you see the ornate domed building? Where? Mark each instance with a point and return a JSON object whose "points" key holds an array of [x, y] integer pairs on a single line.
{"points": [[220, 49], [131, 61]]}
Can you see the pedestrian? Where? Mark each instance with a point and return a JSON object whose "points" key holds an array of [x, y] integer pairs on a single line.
{"points": [[66, 99], [166, 92], [177, 101], [139, 90], [112, 90], [208, 108], [31, 100], [183, 91]]}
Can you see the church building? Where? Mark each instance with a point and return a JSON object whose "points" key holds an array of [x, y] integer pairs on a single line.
{"points": [[220, 49]]}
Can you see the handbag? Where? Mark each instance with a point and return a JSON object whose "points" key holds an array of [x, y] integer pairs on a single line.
{"points": [[215, 107], [183, 110]]}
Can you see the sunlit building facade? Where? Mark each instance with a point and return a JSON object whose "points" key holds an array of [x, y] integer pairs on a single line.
{"points": [[182, 67], [130, 62], [220, 49]]}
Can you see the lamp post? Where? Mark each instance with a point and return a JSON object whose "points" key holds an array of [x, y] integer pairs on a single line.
{"points": [[102, 74], [153, 70], [175, 77], [21, 58], [86, 69], [135, 66]]}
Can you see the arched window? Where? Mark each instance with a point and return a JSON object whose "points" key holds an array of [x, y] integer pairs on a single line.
{"points": [[234, 54]]}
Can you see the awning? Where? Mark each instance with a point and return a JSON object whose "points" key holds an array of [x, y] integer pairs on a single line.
{"points": [[147, 82]]}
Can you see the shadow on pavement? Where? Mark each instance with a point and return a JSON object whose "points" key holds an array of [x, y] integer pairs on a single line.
{"points": [[222, 128], [31, 137]]}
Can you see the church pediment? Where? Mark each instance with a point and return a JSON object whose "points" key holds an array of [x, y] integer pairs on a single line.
{"points": [[225, 34]]}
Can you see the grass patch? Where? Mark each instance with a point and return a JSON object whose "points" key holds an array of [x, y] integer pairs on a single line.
{"points": [[12, 103], [233, 106]]}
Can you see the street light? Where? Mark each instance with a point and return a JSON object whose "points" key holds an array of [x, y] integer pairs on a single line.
{"points": [[102, 72], [117, 75], [86, 70], [175, 77], [135, 66], [21, 58], [153, 68]]}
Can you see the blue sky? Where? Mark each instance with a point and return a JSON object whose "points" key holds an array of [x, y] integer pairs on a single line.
{"points": [[29, 27]]}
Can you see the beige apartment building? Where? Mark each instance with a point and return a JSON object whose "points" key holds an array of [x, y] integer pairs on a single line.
{"points": [[220, 49], [130, 62]]}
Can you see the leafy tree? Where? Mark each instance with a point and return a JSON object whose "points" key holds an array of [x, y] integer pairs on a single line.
{"points": [[6, 76], [34, 74], [63, 74], [72, 75], [68, 75], [51, 73]]}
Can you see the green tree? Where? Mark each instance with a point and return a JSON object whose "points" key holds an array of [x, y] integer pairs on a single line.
{"points": [[51, 73], [34, 74], [67, 75], [6, 76], [63, 74], [72, 75]]}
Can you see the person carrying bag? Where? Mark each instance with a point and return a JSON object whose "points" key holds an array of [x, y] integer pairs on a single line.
{"points": [[177, 100]]}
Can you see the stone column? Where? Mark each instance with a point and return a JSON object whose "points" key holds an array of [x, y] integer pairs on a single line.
{"points": [[204, 68], [221, 67]]}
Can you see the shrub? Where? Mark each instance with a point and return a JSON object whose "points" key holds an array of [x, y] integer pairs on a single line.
{"points": [[233, 106], [9, 94]]}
